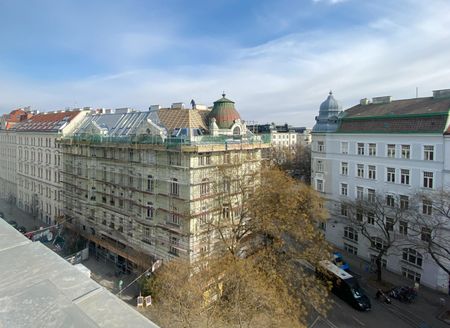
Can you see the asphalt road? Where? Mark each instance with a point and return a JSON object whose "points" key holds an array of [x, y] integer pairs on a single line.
{"points": [[381, 316]]}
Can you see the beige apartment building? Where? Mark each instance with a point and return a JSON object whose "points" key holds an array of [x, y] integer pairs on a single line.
{"points": [[39, 163], [141, 186]]}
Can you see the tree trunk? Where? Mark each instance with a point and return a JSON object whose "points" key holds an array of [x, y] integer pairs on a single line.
{"points": [[378, 263]]}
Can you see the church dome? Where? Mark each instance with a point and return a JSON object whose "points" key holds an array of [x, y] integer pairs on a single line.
{"points": [[330, 104], [224, 113]]}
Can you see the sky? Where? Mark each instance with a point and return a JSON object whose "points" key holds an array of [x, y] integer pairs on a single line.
{"points": [[276, 59]]}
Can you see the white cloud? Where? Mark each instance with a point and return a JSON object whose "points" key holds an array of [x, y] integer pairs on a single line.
{"points": [[283, 80]]}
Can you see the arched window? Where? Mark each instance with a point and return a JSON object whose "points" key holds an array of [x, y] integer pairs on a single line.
{"points": [[237, 131], [174, 187], [204, 187], [350, 233], [150, 183], [412, 256]]}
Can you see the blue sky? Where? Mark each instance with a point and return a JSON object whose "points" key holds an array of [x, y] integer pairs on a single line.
{"points": [[277, 59]]}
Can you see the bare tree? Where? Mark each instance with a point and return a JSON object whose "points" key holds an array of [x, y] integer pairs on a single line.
{"points": [[264, 223], [430, 231], [296, 161], [375, 218]]}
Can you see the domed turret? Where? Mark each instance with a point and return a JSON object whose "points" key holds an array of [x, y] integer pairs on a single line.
{"points": [[224, 113], [330, 104], [327, 121]]}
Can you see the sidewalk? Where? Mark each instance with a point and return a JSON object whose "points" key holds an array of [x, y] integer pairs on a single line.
{"points": [[425, 311], [11, 212]]}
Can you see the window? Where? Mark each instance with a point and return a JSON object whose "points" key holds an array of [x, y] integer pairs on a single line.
{"points": [[173, 245], [360, 171], [344, 189], [406, 151], [226, 211], [390, 201], [175, 159], [174, 187], [344, 168], [351, 249], [150, 210], [404, 202], [320, 146], [372, 149], [412, 256], [410, 274], [371, 195], [204, 187], [404, 176], [150, 183], [226, 184], [373, 261], [359, 193], [428, 180], [428, 153], [370, 218], [389, 224], [350, 233], [377, 243], [174, 216], [403, 227], [359, 215], [391, 174], [425, 234], [344, 210], [372, 172], [344, 147], [391, 151], [319, 185], [360, 148], [204, 159], [427, 206], [319, 165]]}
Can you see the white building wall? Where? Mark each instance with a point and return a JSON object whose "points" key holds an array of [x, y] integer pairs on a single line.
{"points": [[329, 172]]}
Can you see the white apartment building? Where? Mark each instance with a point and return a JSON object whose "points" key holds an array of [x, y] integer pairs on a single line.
{"points": [[284, 136], [383, 147], [39, 162]]}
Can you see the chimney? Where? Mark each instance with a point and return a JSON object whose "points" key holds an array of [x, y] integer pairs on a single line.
{"points": [[154, 108], [382, 100], [444, 93], [178, 105], [364, 101]]}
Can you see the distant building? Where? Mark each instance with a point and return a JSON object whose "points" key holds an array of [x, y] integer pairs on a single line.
{"points": [[284, 135], [383, 147], [139, 185], [8, 148], [39, 162]]}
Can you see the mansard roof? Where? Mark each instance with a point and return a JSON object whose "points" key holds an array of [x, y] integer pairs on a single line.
{"points": [[417, 115], [46, 122]]}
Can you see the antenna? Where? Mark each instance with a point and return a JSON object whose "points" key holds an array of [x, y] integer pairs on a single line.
{"points": [[417, 92]]}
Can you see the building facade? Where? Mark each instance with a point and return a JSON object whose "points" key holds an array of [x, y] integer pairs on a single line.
{"points": [[8, 149], [284, 136], [140, 186], [39, 162], [383, 147]]}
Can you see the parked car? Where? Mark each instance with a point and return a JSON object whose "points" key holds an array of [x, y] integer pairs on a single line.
{"points": [[14, 224], [404, 294], [22, 229], [2, 216]]}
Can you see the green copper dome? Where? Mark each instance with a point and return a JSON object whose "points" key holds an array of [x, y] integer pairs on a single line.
{"points": [[224, 113]]}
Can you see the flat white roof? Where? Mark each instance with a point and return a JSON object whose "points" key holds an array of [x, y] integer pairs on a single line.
{"points": [[335, 270]]}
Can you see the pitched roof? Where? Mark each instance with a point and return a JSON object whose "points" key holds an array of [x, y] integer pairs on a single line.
{"points": [[417, 115], [401, 107], [183, 118], [115, 124], [46, 122]]}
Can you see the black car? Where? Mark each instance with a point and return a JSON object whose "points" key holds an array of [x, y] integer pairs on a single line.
{"points": [[14, 224], [22, 229]]}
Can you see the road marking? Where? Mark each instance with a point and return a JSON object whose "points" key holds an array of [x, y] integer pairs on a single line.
{"points": [[362, 324]]}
